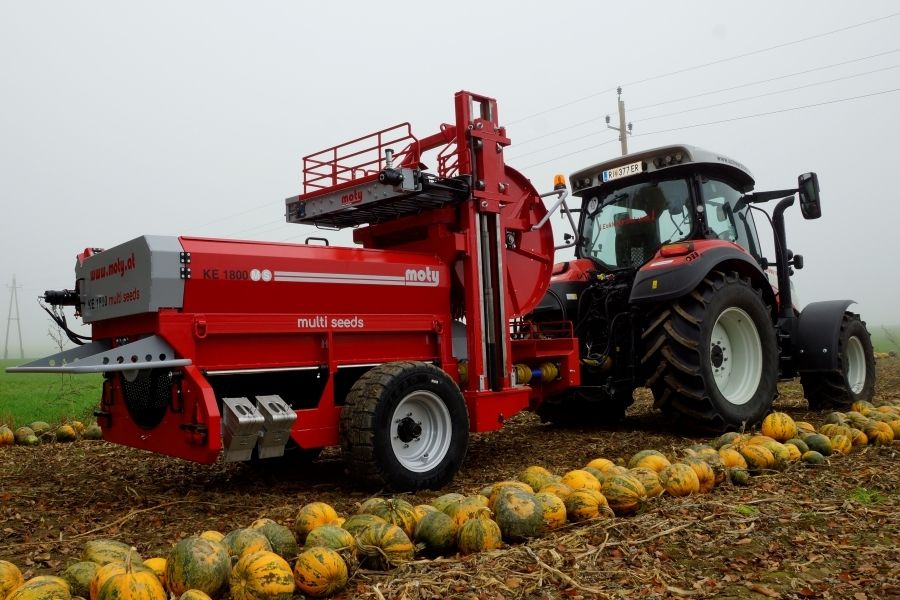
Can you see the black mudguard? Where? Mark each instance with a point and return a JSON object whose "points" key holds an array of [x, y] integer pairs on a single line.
{"points": [[818, 333], [669, 283]]}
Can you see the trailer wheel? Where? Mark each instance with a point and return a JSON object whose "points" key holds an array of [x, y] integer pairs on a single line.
{"points": [[856, 378], [404, 426], [712, 357]]}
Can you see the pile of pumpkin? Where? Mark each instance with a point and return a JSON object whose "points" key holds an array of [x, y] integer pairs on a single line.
{"points": [[254, 563], [41, 432]]}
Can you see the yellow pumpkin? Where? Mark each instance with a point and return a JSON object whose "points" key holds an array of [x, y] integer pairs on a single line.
{"points": [[580, 479], [213, 536], [261, 576], [625, 494], [421, 510], [779, 426], [679, 479], [805, 427], [601, 464], [537, 477], [310, 516], [10, 578], [841, 443], [479, 534], [554, 510], [793, 452], [500, 486], [114, 568], [321, 572], [558, 489], [132, 584], [858, 437], [732, 458], [879, 433], [44, 587], [861, 406], [584, 504], [758, 457], [649, 479], [158, 565], [706, 476]]}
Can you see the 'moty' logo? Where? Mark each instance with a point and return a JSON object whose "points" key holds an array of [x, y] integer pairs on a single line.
{"points": [[423, 277], [354, 197]]}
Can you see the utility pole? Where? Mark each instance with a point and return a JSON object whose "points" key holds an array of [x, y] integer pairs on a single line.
{"points": [[622, 129], [13, 301]]}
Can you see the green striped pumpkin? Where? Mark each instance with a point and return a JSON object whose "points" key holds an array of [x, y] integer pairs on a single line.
{"points": [[197, 563], [261, 576]]}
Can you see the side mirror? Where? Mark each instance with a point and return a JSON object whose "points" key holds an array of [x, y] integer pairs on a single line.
{"points": [[808, 186]]}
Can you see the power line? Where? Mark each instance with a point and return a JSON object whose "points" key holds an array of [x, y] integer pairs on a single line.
{"points": [[687, 110], [519, 144], [744, 117], [769, 80], [544, 162], [772, 93], [772, 112], [707, 64]]}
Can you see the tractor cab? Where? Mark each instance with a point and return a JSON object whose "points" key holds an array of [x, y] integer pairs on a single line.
{"points": [[635, 205]]}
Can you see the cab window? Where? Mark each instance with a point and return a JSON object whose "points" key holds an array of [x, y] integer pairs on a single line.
{"points": [[723, 222]]}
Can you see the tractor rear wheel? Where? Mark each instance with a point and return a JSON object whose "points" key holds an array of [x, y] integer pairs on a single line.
{"points": [[404, 426], [856, 378], [712, 357]]}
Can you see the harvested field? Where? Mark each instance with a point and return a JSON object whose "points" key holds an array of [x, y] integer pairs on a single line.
{"points": [[807, 532]]}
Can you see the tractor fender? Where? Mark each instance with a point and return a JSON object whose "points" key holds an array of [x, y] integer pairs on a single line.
{"points": [[818, 332], [660, 283]]}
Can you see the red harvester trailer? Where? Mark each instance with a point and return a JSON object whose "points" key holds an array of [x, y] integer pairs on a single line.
{"points": [[395, 350]]}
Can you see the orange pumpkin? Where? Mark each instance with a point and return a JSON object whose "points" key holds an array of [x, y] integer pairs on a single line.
{"points": [[758, 458], [706, 477], [479, 534], [841, 443], [501, 486], [44, 587]]}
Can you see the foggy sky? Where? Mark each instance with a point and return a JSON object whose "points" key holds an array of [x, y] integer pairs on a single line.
{"points": [[121, 119]]}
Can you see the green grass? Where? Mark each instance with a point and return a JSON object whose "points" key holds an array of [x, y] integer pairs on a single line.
{"points": [[864, 496], [747, 511], [29, 397], [881, 339]]}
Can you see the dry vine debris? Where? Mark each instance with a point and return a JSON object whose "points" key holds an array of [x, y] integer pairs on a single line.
{"points": [[808, 532]]}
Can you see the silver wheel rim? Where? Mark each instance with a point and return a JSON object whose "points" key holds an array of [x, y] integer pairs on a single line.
{"points": [[421, 431], [736, 356], [856, 365]]}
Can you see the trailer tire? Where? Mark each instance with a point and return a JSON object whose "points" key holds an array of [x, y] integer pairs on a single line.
{"points": [[688, 345], [856, 378], [404, 426]]}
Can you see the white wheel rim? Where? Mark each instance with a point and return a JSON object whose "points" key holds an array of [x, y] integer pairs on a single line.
{"points": [[421, 412], [736, 356], [856, 365]]}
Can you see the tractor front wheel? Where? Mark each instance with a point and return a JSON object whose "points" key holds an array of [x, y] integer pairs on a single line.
{"points": [[712, 357], [404, 426], [856, 378]]}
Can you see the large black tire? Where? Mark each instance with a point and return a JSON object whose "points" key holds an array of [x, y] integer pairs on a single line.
{"points": [[856, 378], [404, 426], [690, 342]]}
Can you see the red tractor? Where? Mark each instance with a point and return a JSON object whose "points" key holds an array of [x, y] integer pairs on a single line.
{"points": [[445, 320], [670, 290]]}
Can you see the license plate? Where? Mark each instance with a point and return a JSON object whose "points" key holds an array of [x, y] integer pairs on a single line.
{"points": [[623, 171]]}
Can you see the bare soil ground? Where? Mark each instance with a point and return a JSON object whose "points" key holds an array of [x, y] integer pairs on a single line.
{"points": [[823, 532]]}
